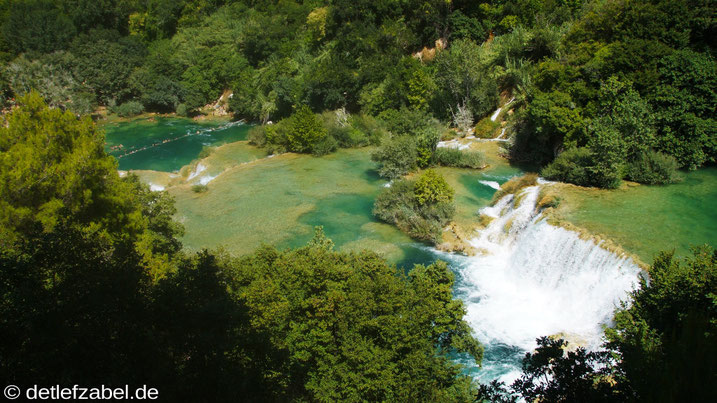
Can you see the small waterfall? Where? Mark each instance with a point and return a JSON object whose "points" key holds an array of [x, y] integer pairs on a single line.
{"points": [[534, 279], [197, 170], [491, 184]]}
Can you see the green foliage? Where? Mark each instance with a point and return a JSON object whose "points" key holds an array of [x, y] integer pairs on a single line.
{"points": [[52, 79], [37, 26], [653, 168], [105, 63], [52, 165], [451, 157], [667, 339], [128, 109], [397, 156], [431, 188], [182, 110], [486, 128], [514, 185], [684, 103], [570, 166], [398, 205], [305, 131], [661, 346], [199, 188], [463, 79], [333, 319]]}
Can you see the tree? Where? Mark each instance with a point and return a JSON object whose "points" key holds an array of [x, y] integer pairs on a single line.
{"points": [[397, 157], [304, 131], [432, 188], [667, 338], [462, 76], [348, 327], [684, 102], [37, 25]]}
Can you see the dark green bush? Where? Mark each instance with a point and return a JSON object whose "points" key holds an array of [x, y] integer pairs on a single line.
{"points": [[129, 109], [451, 157], [182, 110], [199, 188], [325, 146], [398, 205], [369, 126], [653, 168], [570, 166], [257, 136], [397, 157]]}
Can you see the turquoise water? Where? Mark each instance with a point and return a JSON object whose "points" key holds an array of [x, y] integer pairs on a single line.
{"points": [[279, 201], [166, 144]]}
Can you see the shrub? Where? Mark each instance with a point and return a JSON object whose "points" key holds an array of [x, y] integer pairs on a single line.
{"points": [[570, 166], [447, 157], [653, 168], [257, 136], [486, 128], [304, 130], [431, 187], [129, 109], [426, 144], [370, 127], [182, 110], [325, 146], [398, 205], [199, 188], [406, 121], [451, 157], [397, 157], [472, 159]]}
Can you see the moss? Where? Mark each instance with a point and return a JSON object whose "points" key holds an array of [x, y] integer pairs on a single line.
{"points": [[548, 198], [485, 220], [487, 128], [514, 185], [518, 199], [508, 225]]}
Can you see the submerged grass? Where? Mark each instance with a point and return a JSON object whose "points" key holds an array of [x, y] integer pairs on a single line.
{"points": [[514, 185], [646, 219]]}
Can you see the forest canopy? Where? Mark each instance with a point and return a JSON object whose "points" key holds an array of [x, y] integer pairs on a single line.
{"points": [[590, 80]]}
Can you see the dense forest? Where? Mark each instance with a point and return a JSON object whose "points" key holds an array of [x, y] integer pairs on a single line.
{"points": [[96, 287], [580, 73]]}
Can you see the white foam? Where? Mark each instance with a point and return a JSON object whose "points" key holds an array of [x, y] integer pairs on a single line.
{"points": [[156, 188], [491, 184], [536, 279], [197, 170], [206, 179]]}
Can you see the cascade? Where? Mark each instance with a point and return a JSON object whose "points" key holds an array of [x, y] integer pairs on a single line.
{"points": [[534, 279]]}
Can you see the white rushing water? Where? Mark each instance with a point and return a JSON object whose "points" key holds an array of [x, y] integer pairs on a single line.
{"points": [[534, 279], [197, 170], [491, 184]]}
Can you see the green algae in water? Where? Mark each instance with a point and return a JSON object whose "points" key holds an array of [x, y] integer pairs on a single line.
{"points": [[279, 201], [166, 144], [647, 219]]}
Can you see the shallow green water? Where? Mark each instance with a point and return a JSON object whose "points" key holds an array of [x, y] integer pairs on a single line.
{"points": [[166, 144], [648, 219]]}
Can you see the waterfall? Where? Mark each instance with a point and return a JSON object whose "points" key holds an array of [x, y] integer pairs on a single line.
{"points": [[534, 279]]}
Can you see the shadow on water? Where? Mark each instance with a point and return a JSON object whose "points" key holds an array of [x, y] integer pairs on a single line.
{"points": [[371, 175]]}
